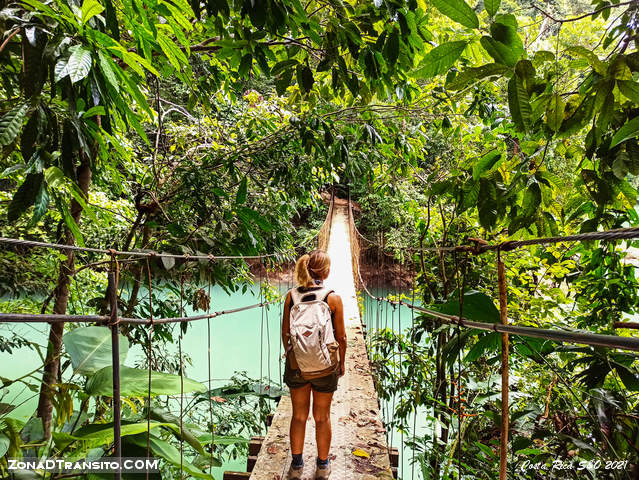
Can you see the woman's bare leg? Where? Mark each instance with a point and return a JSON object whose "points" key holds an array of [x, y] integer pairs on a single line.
{"points": [[301, 401], [322, 416]]}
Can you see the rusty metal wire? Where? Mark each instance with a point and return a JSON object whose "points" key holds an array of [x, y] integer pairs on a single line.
{"points": [[186, 257]]}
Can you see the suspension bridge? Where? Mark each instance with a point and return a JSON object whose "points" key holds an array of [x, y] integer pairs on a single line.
{"points": [[359, 448]]}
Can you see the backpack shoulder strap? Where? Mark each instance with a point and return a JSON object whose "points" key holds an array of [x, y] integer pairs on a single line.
{"points": [[296, 296], [324, 293]]}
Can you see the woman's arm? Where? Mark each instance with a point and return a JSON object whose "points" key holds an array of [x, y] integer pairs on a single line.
{"points": [[336, 306], [286, 322]]}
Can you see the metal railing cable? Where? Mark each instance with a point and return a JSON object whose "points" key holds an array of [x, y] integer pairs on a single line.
{"points": [[563, 336], [134, 253], [112, 320], [479, 246]]}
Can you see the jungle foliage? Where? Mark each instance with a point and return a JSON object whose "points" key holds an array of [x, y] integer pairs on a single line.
{"points": [[205, 127]]}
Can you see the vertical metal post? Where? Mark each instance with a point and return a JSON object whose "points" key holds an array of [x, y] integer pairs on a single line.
{"points": [[115, 350], [503, 313]]}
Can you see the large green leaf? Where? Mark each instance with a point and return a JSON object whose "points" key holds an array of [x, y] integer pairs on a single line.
{"points": [[4, 444], [531, 201], [555, 112], [25, 196], [79, 64], [485, 163], [590, 56], [492, 6], [489, 341], [440, 59], [163, 449], [500, 53], [40, 205], [90, 8], [467, 77], [629, 89], [134, 383], [11, 124], [96, 434], [477, 306], [186, 434], [90, 348], [391, 48], [240, 197], [519, 103], [458, 11], [629, 377], [205, 439], [504, 43], [628, 131]]}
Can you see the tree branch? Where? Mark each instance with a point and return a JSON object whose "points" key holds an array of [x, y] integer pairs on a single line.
{"points": [[585, 15]]}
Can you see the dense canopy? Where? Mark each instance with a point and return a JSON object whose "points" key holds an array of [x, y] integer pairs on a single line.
{"points": [[219, 128]]}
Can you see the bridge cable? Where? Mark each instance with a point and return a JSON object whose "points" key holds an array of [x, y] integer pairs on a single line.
{"points": [[210, 374], [181, 377], [416, 384], [151, 331], [134, 253]]}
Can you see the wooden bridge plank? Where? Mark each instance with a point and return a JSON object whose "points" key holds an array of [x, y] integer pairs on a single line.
{"points": [[355, 415]]}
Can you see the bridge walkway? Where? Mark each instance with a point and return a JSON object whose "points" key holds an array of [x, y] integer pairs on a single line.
{"points": [[359, 449]]}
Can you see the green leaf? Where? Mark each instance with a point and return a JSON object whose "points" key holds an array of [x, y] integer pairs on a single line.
{"points": [[628, 131], [519, 103], [391, 48], [490, 342], [440, 59], [590, 56], [477, 306], [166, 417], [305, 78], [283, 81], [107, 70], [629, 89], [248, 215], [629, 378], [97, 434], [532, 200], [70, 222], [205, 439], [90, 348], [79, 64], [11, 124], [163, 449], [471, 75], [25, 196], [492, 6], [555, 112], [134, 383], [500, 52], [486, 163], [90, 8], [458, 11], [240, 197], [174, 55], [4, 444], [112, 20], [40, 205]]}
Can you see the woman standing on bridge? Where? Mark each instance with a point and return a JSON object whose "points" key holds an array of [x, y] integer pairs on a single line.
{"points": [[314, 339]]}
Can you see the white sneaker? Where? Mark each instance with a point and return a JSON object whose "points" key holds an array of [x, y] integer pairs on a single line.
{"points": [[323, 472], [295, 472]]}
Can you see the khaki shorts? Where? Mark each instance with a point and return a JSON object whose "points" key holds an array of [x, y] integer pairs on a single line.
{"points": [[293, 379]]}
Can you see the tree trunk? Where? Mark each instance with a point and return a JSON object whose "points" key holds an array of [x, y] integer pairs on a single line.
{"points": [[54, 347]]}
